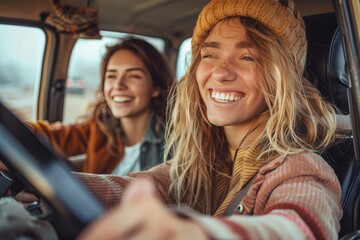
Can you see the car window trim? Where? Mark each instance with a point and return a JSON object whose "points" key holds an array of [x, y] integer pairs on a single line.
{"points": [[345, 12]]}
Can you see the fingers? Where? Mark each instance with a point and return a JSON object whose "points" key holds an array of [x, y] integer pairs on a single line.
{"points": [[26, 197], [142, 215], [138, 190]]}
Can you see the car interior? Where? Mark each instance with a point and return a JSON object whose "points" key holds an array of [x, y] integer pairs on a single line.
{"points": [[328, 65]]}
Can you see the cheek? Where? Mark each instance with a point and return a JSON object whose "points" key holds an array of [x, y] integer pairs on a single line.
{"points": [[143, 90], [141, 87], [252, 79], [107, 85], [259, 99], [106, 89], [253, 84]]}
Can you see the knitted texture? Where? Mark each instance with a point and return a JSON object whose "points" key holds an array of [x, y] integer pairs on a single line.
{"points": [[297, 197], [280, 16]]}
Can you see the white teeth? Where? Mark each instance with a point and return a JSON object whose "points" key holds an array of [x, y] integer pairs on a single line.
{"points": [[222, 97], [119, 99]]}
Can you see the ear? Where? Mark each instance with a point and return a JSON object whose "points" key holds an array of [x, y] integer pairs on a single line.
{"points": [[156, 92]]}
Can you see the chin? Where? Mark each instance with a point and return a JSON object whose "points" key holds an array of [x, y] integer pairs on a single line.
{"points": [[117, 114], [218, 121]]}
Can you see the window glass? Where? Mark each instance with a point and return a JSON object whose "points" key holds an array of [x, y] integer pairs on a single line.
{"points": [[22, 50], [84, 71], [184, 58]]}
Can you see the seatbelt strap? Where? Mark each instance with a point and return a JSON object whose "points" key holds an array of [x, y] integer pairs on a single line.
{"points": [[237, 198]]}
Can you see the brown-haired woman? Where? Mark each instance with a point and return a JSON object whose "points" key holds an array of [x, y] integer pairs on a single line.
{"points": [[124, 131]]}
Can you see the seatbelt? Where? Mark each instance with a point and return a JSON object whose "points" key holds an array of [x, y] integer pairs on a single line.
{"points": [[234, 203]]}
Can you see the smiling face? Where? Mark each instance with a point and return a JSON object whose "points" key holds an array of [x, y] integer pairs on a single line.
{"points": [[228, 77], [128, 86]]}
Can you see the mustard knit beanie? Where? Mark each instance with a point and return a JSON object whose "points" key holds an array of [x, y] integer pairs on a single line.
{"points": [[280, 16]]}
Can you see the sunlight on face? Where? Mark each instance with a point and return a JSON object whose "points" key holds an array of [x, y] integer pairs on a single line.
{"points": [[228, 76]]}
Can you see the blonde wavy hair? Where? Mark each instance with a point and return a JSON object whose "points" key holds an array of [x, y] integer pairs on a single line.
{"points": [[299, 119]]}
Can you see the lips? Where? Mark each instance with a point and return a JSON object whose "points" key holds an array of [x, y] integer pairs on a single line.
{"points": [[225, 96], [122, 99]]}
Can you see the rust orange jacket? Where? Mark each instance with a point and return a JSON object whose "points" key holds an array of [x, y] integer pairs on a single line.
{"points": [[86, 138]]}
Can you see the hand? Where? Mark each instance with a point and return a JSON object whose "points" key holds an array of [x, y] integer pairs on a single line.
{"points": [[23, 196], [3, 167], [142, 216], [26, 197]]}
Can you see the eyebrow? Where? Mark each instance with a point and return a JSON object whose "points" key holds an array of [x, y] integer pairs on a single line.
{"points": [[242, 44], [128, 70]]}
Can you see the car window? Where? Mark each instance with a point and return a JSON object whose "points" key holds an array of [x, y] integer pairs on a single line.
{"points": [[22, 52], [184, 58], [84, 71]]}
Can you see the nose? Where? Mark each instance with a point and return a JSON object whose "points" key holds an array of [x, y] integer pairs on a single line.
{"points": [[120, 82], [223, 72]]}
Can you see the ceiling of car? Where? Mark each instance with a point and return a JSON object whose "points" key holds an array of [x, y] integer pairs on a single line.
{"points": [[171, 19]]}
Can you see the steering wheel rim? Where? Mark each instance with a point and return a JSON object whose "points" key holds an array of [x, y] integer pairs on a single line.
{"points": [[41, 168]]}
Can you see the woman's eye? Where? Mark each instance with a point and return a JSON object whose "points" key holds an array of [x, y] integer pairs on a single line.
{"points": [[206, 55], [248, 58], [134, 76], [110, 76]]}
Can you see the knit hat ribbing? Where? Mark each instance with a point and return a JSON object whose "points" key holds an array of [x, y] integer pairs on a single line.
{"points": [[280, 16]]}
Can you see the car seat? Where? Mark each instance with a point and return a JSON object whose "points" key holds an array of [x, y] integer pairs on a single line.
{"points": [[326, 68]]}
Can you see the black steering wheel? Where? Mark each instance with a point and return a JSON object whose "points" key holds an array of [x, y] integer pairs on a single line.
{"points": [[40, 168]]}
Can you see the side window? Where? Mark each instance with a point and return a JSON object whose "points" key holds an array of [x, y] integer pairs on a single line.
{"points": [[84, 71], [184, 58], [22, 50]]}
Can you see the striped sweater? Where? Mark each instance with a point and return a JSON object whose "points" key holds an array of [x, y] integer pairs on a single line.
{"points": [[293, 197]]}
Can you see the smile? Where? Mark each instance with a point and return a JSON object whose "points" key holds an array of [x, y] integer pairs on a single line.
{"points": [[225, 97], [119, 99]]}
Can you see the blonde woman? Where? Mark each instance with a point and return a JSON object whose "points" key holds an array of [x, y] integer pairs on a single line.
{"points": [[243, 114]]}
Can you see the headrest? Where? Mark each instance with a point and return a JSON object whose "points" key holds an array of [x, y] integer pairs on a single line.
{"points": [[326, 66]]}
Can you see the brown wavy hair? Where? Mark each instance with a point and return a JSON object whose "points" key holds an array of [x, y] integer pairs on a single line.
{"points": [[161, 76]]}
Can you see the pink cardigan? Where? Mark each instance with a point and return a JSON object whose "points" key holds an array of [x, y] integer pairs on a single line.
{"points": [[293, 197]]}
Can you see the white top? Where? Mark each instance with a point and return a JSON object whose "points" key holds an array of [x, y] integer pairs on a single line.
{"points": [[130, 161]]}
